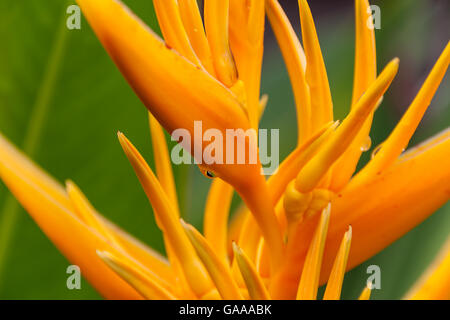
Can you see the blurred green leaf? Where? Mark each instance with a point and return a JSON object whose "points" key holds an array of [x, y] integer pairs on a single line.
{"points": [[75, 135]]}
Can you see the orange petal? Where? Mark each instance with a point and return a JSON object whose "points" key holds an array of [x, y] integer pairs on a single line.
{"points": [[435, 282], [195, 273], [365, 294], [217, 268], [316, 74], [235, 226], [258, 199], [396, 201], [399, 138], [172, 28], [297, 159], [165, 177], [193, 24], [135, 277], [295, 60], [216, 216], [149, 258], [175, 91], [365, 73], [250, 234], [217, 31], [309, 281], [86, 212], [334, 285], [57, 221], [162, 161], [345, 134], [255, 285], [365, 51], [247, 20]]}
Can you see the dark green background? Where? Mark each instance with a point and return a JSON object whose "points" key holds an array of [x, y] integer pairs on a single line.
{"points": [[63, 100]]}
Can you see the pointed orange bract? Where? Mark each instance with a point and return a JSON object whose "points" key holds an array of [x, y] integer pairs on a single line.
{"points": [[195, 274], [295, 59], [397, 142], [247, 19], [365, 73], [250, 234], [153, 70], [316, 74], [216, 215], [193, 24], [316, 169], [309, 281], [395, 192], [334, 285], [173, 30], [58, 221], [217, 268], [135, 277], [365, 294], [254, 283], [435, 283], [52, 210], [162, 161], [217, 29], [86, 212]]}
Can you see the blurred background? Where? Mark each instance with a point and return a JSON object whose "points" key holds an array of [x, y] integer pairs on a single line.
{"points": [[62, 100]]}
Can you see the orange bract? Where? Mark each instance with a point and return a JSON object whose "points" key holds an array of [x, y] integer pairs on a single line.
{"points": [[308, 223]]}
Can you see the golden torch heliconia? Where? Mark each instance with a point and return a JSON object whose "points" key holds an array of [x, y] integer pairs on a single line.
{"points": [[307, 224]]}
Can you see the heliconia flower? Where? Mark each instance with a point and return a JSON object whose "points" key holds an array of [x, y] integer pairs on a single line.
{"points": [[308, 223], [191, 93]]}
